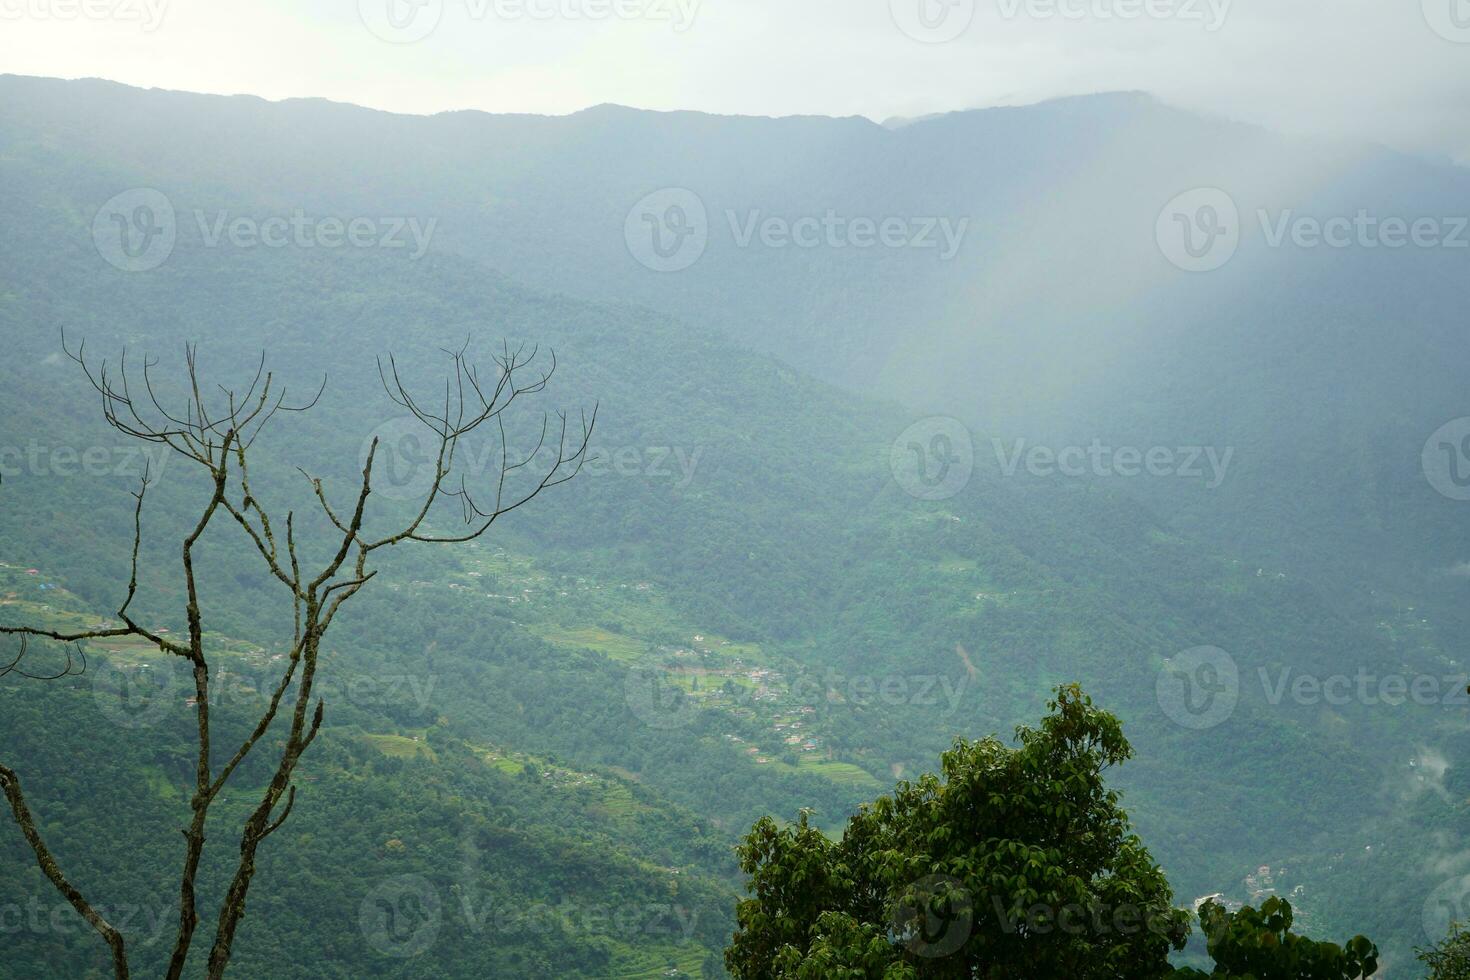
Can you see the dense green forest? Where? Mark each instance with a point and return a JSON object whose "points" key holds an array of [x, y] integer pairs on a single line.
{"points": [[737, 612], [1016, 862]]}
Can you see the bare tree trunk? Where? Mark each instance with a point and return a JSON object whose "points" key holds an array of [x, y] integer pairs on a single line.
{"points": [[213, 440], [10, 785]]}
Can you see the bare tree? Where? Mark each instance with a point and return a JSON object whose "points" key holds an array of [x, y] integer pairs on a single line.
{"points": [[217, 434]]}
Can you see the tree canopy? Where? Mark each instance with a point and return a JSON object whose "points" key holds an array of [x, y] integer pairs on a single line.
{"points": [[1016, 861]]}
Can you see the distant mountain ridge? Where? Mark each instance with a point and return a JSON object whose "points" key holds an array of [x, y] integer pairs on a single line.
{"points": [[1058, 322]]}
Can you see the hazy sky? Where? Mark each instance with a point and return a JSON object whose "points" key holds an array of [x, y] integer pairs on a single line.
{"points": [[1391, 71]]}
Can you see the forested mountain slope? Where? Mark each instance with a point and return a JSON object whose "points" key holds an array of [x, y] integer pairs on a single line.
{"points": [[1026, 292], [719, 546]]}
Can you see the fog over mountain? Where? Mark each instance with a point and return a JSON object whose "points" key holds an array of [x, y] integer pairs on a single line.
{"points": [[1356, 70], [1036, 302], [902, 427]]}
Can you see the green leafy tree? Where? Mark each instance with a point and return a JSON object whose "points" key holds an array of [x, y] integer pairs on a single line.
{"points": [[1259, 945], [1448, 959], [1017, 862]]}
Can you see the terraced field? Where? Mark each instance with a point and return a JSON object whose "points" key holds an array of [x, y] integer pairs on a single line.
{"points": [[401, 746], [659, 964]]}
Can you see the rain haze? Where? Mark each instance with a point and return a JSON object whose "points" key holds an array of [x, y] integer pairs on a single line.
{"points": [[1358, 70], [734, 489]]}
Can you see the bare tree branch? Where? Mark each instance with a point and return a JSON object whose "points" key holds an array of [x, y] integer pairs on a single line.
{"points": [[14, 666], [10, 786], [216, 434]]}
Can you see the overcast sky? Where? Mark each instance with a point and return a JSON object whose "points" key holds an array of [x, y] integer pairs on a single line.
{"points": [[1389, 71]]}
